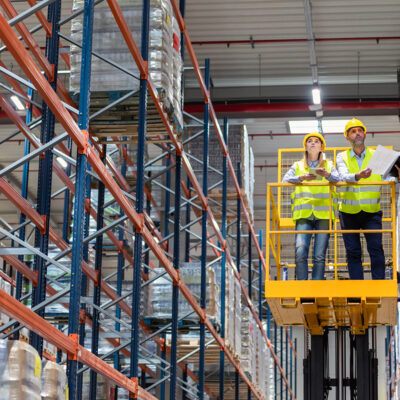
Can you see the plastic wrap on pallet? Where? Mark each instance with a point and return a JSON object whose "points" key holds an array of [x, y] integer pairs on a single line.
{"points": [[24, 334], [259, 360], [254, 354], [250, 196], [20, 370], [229, 307], [54, 381], [238, 146], [49, 349], [108, 324], [233, 313], [247, 341], [268, 378], [103, 387], [6, 286], [109, 43], [177, 71], [245, 156], [190, 273], [238, 318]]}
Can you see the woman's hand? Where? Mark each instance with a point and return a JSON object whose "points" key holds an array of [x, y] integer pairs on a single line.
{"points": [[323, 172], [307, 177]]}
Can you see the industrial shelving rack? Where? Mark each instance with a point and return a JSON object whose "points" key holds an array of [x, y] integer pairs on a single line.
{"points": [[94, 164]]}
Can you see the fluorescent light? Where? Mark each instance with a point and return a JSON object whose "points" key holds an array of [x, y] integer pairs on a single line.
{"points": [[17, 102], [303, 127], [328, 126], [62, 162], [316, 95], [334, 125]]}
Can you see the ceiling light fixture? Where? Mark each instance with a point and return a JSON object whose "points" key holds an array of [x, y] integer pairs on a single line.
{"points": [[306, 126], [62, 162], [316, 95], [17, 102]]}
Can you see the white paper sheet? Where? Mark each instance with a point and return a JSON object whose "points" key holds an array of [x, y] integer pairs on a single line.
{"points": [[382, 160]]}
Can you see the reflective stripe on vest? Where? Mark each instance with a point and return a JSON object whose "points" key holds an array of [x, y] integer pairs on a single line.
{"points": [[354, 199], [363, 188], [361, 201], [312, 200]]}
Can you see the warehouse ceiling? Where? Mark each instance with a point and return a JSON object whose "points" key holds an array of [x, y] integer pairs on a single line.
{"points": [[276, 50]]}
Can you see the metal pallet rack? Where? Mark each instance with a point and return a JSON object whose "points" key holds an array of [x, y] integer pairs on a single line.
{"points": [[93, 164]]}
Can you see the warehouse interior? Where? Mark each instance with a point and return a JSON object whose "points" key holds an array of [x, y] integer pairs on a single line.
{"points": [[147, 245]]}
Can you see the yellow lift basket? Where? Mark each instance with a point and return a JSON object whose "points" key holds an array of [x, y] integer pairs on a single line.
{"points": [[335, 301]]}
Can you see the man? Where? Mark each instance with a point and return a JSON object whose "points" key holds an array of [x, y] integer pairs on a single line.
{"points": [[360, 206]]}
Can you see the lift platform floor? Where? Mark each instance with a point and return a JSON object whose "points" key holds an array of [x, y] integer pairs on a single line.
{"points": [[320, 304]]}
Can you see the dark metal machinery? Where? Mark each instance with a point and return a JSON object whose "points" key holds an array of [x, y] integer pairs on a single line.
{"points": [[356, 366]]}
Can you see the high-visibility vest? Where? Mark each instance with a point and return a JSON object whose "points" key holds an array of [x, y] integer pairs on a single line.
{"points": [[312, 200], [354, 199]]}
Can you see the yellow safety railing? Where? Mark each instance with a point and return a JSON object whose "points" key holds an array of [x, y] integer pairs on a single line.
{"points": [[280, 230]]}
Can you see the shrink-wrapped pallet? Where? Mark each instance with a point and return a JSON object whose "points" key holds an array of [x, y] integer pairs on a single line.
{"points": [[4, 285], [260, 359], [233, 312], [110, 44], [54, 382], [254, 331], [247, 342], [238, 318], [49, 349], [268, 377], [250, 196], [177, 71], [230, 309], [20, 370], [103, 387], [161, 292], [239, 151]]}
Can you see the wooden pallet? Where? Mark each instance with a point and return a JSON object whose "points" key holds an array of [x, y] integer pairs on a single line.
{"points": [[212, 352], [119, 124]]}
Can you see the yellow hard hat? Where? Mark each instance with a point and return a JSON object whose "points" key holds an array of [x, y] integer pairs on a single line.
{"points": [[354, 123], [317, 135]]}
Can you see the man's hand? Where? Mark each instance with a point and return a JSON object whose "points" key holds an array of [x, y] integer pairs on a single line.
{"points": [[398, 172], [307, 177], [323, 172], [364, 174]]}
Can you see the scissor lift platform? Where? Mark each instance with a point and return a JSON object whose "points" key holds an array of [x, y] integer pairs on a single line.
{"points": [[336, 301], [320, 304]]}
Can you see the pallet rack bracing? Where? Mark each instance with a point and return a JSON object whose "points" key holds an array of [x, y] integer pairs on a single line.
{"points": [[129, 334]]}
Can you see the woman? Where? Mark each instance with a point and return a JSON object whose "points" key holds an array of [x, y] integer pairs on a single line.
{"points": [[310, 204]]}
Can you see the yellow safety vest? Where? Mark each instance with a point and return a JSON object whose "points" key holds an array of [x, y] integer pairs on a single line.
{"points": [[354, 199], [308, 200]]}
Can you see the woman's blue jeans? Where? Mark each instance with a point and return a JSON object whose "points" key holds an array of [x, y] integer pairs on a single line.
{"points": [[321, 241]]}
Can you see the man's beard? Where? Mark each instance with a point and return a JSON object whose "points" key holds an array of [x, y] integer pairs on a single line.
{"points": [[359, 141]]}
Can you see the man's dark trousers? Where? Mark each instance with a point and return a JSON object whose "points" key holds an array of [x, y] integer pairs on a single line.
{"points": [[363, 220]]}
